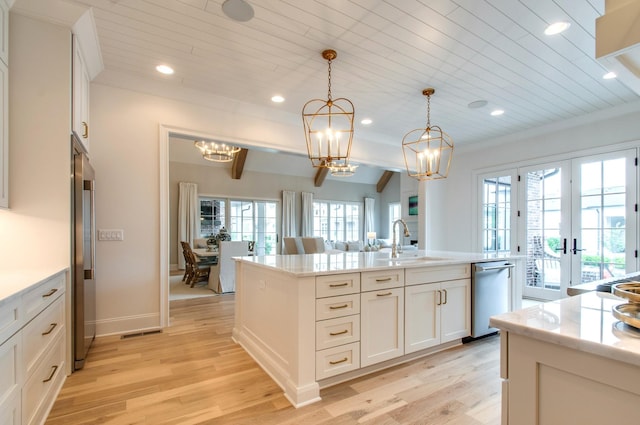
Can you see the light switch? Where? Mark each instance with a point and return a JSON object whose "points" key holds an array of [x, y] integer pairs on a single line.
{"points": [[110, 235]]}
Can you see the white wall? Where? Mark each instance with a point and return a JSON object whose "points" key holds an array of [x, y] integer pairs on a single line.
{"points": [[451, 226], [36, 230]]}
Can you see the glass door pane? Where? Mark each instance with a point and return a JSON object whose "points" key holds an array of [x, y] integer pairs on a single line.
{"points": [[603, 241], [546, 217]]}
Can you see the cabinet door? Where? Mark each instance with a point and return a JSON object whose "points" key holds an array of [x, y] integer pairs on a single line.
{"points": [[455, 310], [81, 83], [382, 325], [422, 318], [10, 380]]}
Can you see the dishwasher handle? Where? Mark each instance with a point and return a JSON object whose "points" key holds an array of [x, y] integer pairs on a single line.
{"points": [[480, 268]]}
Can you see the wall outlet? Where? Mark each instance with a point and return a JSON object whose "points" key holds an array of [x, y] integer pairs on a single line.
{"points": [[110, 235]]}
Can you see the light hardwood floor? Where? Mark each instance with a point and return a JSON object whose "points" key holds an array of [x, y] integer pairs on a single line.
{"points": [[193, 373]]}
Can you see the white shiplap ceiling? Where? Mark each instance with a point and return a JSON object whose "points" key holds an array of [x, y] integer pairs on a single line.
{"points": [[388, 51]]}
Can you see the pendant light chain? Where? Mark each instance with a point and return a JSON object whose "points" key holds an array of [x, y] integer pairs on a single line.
{"points": [[329, 79], [428, 112]]}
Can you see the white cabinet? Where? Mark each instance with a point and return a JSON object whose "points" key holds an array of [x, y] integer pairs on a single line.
{"points": [[438, 312], [80, 88], [4, 105], [32, 351], [337, 324], [10, 380], [382, 316], [548, 383]]}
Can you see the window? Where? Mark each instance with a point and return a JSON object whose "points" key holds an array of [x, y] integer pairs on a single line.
{"points": [[395, 213], [496, 214], [337, 221], [254, 221], [212, 216]]}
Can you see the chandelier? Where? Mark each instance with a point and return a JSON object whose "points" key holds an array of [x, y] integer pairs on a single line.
{"points": [[328, 128], [427, 151], [216, 152], [343, 169]]}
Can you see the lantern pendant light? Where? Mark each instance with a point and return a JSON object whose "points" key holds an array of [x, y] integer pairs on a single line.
{"points": [[427, 151], [328, 128]]}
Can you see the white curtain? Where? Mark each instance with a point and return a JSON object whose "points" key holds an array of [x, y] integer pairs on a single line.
{"points": [[288, 213], [188, 217], [369, 216], [307, 214]]}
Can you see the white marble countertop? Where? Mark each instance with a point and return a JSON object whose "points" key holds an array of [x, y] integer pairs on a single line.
{"points": [[344, 262], [583, 322], [14, 282]]}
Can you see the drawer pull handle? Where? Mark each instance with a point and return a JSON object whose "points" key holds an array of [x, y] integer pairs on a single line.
{"points": [[53, 372], [338, 333], [337, 307], [51, 328], [338, 361], [386, 279], [51, 292], [338, 285], [383, 295]]}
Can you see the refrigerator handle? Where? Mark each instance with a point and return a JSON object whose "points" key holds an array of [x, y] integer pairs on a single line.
{"points": [[89, 185]]}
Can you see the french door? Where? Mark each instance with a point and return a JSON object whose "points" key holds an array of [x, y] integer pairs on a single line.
{"points": [[578, 222]]}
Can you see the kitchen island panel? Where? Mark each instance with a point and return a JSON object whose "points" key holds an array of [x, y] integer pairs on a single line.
{"points": [[552, 384], [275, 324]]}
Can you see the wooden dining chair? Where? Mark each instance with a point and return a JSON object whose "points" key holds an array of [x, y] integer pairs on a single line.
{"points": [[195, 269]]}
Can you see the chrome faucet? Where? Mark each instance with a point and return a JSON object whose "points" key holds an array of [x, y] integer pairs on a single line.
{"points": [[394, 244]]}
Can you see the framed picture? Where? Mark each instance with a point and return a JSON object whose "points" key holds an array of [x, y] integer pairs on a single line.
{"points": [[413, 205]]}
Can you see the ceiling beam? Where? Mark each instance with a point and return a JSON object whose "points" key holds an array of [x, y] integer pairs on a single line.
{"points": [[321, 174], [384, 179], [238, 164]]}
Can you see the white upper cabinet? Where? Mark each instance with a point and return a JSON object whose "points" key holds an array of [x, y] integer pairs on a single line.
{"points": [[87, 64], [81, 83]]}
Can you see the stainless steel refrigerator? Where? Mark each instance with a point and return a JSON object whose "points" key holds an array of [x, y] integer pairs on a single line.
{"points": [[83, 254]]}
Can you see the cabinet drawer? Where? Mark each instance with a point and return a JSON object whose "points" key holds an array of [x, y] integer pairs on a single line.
{"points": [[39, 335], [42, 385], [337, 360], [41, 296], [337, 284], [344, 305], [340, 331], [11, 373], [437, 273], [10, 317], [383, 279]]}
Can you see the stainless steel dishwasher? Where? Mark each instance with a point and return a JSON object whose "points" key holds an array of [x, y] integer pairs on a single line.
{"points": [[489, 294]]}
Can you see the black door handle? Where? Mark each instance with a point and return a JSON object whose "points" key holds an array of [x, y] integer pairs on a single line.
{"points": [[575, 249], [564, 246]]}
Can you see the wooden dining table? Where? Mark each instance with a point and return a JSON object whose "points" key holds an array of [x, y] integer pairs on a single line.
{"points": [[204, 253]]}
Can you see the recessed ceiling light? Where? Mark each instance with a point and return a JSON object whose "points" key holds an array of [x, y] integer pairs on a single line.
{"points": [[497, 112], [477, 104], [164, 69], [277, 99], [557, 28], [366, 121], [238, 10], [609, 75]]}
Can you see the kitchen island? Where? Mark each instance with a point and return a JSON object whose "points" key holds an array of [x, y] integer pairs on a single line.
{"points": [[569, 361], [311, 321]]}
